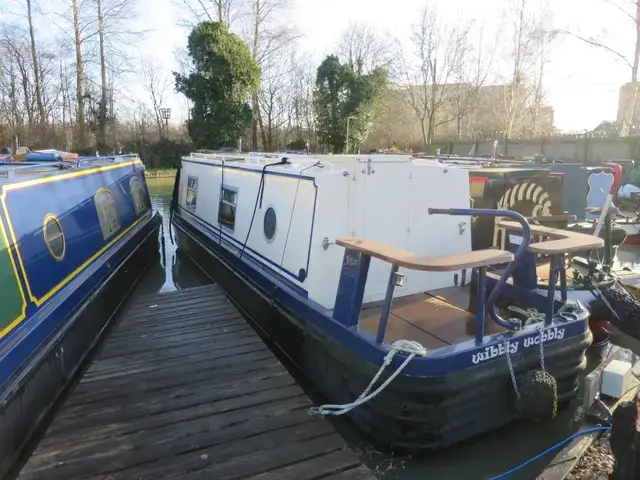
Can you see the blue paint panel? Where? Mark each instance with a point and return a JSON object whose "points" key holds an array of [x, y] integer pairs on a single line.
{"points": [[46, 320], [438, 362], [525, 274], [71, 201], [353, 279]]}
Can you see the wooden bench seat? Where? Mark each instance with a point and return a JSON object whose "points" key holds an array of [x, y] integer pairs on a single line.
{"points": [[413, 261], [564, 240], [552, 218]]}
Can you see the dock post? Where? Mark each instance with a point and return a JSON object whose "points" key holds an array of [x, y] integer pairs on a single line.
{"points": [[624, 438]]}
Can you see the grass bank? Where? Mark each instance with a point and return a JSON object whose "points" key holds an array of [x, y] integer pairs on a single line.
{"points": [[160, 172]]}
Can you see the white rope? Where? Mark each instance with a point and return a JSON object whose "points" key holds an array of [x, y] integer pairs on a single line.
{"points": [[405, 346], [532, 315]]}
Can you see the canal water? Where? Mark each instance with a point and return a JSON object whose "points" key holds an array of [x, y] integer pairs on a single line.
{"points": [[480, 458]]}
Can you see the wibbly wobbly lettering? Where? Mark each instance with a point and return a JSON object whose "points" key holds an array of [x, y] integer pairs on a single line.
{"points": [[494, 351]]}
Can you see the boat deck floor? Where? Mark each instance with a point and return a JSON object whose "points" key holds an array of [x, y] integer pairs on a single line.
{"points": [[184, 388], [434, 319]]}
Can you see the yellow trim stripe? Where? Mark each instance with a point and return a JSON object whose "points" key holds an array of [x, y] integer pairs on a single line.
{"points": [[57, 178], [87, 262], [23, 315]]}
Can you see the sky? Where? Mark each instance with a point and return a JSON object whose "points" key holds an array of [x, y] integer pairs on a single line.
{"points": [[582, 82]]}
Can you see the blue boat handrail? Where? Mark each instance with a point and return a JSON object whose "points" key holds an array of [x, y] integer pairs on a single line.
{"points": [[107, 158], [522, 249]]}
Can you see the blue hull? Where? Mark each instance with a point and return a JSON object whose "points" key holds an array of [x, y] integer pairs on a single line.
{"points": [[78, 243], [418, 411]]}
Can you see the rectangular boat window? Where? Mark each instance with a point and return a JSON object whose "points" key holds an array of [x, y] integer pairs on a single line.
{"points": [[192, 192], [227, 207]]}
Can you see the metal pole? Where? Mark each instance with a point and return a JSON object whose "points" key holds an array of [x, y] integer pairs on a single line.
{"points": [[346, 149]]}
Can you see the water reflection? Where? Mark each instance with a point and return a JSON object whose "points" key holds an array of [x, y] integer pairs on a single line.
{"points": [[176, 272]]}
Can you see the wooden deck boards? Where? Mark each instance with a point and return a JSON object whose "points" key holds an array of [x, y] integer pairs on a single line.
{"points": [[184, 388]]}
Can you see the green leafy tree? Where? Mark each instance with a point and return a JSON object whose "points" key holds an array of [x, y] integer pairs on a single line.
{"points": [[341, 93], [224, 77]]}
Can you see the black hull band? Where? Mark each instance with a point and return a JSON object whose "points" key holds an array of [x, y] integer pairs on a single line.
{"points": [[414, 413]]}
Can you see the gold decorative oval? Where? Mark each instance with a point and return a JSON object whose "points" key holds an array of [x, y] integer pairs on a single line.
{"points": [[52, 222]]}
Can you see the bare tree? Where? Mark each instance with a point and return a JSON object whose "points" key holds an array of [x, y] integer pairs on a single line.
{"points": [[102, 109], [526, 56], [302, 82], [629, 11], [36, 68], [268, 33], [156, 84], [79, 74], [364, 49], [438, 64], [116, 31], [223, 11], [274, 99]]}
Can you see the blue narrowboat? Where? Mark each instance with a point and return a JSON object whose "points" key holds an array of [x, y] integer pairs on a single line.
{"points": [[358, 266], [75, 237]]}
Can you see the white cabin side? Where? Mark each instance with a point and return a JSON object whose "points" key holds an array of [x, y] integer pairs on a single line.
{"points": [[306, 206], [288, 198], [387, 201]]}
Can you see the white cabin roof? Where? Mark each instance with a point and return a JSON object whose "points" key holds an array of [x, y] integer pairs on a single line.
{"points": [[299, 162]]}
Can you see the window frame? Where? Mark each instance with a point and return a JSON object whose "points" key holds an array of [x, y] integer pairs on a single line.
{"points": [[50, 217], [275, 230], [233, 205], [110, 209], [193, 190], [137, 193]]}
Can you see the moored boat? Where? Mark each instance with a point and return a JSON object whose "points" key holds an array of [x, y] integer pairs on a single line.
{"points": [[339, 258], [75, 237]]}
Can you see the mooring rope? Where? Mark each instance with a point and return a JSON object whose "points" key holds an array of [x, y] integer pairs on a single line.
{"points": [[533, 315], [400, 346]]}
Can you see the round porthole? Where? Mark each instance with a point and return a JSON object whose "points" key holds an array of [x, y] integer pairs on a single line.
{"points": [[270, 224], [54, 237]]}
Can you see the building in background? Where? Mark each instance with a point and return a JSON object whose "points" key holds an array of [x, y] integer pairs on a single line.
{"points": [[465, 113]]}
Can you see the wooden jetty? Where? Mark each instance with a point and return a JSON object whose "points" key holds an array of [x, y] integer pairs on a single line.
{"points": [[184, 388]]}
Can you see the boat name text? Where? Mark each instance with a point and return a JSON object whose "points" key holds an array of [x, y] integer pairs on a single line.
{"points": [[494, 351]]}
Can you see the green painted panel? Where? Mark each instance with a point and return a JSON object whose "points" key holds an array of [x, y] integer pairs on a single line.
{"points": [[10, 298]]}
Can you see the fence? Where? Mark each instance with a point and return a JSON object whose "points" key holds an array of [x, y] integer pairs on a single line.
{"points": [[588, 150]]}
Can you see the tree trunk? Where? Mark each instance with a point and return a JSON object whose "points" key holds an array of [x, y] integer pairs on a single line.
{"points": [[102, 109], [14, 97], [636, 56], [36, 68], [220, 11], [266, 144], [423, 129], [254, 97], [431, 128], [27, 98], [630, 118], [80, 140]]}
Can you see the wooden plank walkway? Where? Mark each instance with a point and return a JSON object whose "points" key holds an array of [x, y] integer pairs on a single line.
{"points": [[184, 388]]}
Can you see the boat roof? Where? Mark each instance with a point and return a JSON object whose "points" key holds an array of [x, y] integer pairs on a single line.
{"points": [[12, 172], [298, 162]]}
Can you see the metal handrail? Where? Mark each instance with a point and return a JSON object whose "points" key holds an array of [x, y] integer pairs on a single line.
{"points": [[526, 238]]}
